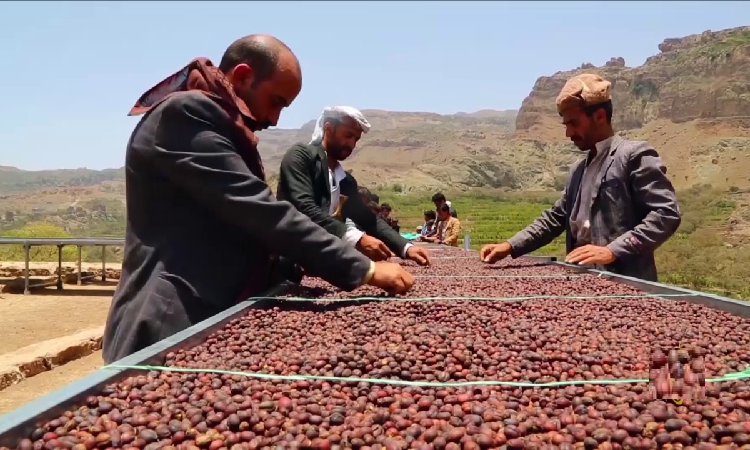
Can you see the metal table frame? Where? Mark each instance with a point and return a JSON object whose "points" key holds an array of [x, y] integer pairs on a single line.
{"points": [[18, 424], [60, 243]]}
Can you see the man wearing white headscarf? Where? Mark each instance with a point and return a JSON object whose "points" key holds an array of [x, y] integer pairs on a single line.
{"points": [[312, 179]]}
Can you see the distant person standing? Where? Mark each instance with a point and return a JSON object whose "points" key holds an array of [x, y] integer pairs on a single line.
{"points": [[618, 205], [439, 200]]}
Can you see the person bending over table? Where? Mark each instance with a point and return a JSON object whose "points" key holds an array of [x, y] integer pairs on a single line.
{"points": [[201, 222], [312, 179], [618, 205]]}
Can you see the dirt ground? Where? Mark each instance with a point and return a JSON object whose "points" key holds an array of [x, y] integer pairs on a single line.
{"points": [[44, 383], [49, 313]]}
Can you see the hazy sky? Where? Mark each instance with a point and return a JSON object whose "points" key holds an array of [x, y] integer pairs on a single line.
{"points": [[72, 70]]}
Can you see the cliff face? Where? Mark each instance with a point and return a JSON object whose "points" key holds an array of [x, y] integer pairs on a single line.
{"points": [[691, 101], [702, 76], [398, 138]]}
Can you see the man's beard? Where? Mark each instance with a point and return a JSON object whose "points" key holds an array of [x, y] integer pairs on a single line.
{"points": [[258, 126], [340, 152], [587, 142], [580, 144], [255, 124]]}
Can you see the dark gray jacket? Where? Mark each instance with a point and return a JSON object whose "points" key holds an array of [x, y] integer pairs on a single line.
{"points": [[198, 223], [634, 210], [303, 181]]}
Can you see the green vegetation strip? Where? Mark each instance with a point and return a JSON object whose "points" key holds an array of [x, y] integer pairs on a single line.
{"points": [[487, 215], [268, 376]]}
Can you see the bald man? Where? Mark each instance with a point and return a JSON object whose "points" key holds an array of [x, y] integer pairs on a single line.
{"points": [[202, 226]]}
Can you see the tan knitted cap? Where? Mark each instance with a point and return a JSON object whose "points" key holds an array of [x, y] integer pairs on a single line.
{"points": [[583, 90]]}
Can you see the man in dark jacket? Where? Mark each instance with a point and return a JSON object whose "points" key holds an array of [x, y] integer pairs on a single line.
{"points": [[201, 222], [618, 206], [312, 179]]}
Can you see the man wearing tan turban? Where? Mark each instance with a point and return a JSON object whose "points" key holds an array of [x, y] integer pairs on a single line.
{"points": [[618, 205]]}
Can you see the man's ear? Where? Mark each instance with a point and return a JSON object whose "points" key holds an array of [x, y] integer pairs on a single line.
{"points": [[242, 75], [600, 116], [327, 129]]}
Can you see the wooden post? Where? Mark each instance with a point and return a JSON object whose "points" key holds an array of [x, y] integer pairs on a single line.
{"points": [[104, 263], [26, 267], [59, 267], [79, 266]]}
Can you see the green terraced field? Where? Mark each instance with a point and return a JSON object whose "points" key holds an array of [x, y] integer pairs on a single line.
{"points": [[486, 218], [701, 255]]}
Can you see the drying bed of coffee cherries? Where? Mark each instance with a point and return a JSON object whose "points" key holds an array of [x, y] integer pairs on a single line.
{"points": [[438, 342], [462, 265], [457, 286], [459, 277]]}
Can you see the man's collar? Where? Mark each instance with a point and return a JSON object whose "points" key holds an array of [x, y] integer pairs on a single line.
{"points": [[320, 150], [339, 169], [603, 146], [600, 148]]}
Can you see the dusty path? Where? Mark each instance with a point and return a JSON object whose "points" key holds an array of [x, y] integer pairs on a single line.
{"points": [[49, 313], [44, 383]]}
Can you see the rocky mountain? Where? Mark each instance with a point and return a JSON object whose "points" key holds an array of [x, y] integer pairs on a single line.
{"points": [[13, 179], [702, 76], [398, 141], [691, 101]]}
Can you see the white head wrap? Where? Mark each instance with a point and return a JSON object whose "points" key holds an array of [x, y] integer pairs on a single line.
{"points": [[338, 112]]}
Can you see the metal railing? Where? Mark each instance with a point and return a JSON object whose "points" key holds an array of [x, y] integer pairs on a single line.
{"points": [[27, 243]]}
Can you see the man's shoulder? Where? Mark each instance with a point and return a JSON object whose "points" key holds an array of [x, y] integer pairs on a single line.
{"points": [[297, 154], [301, 148], [194, 104], [190, 99], [629, 148]]}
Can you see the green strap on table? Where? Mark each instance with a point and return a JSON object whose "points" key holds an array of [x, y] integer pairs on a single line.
{"points": [[578, 275], [728, 377], [437, 384], [455, 257]]}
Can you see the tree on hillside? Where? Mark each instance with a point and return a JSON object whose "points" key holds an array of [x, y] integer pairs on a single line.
{"points": [[37, 253]]}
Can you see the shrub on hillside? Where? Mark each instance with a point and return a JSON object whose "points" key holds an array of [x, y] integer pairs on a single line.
{"points": [[37, 253]]}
